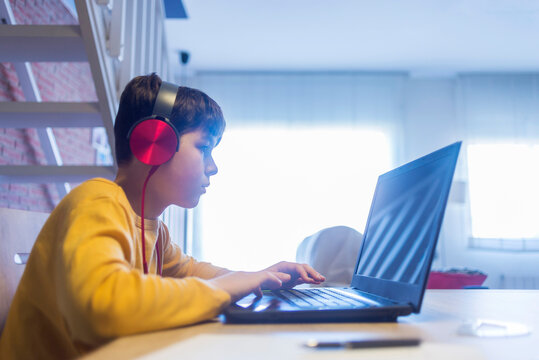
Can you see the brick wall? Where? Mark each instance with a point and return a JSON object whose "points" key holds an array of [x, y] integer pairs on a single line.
{"points": [[56, 82]]}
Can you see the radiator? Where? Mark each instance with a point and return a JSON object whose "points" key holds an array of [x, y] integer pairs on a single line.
{"points": [[519, 282]]}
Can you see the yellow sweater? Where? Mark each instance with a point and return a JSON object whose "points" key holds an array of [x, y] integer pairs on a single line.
{"points": [[84, 285]]}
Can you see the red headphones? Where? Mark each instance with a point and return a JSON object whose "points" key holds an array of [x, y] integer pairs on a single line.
{"points": [[154, 139]]}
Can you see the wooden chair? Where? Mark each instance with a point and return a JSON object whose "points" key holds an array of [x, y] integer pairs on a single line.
{"points": [[18, 231]]}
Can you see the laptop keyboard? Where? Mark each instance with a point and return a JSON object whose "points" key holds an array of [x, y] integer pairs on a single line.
{"points": [[319, 298]]}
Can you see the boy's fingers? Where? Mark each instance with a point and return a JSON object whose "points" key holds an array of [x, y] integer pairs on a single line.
{"points": [[298, 281], [314, 274], [284, 277], [300, 268], [287, 271], [271, 280], [308, 274]]}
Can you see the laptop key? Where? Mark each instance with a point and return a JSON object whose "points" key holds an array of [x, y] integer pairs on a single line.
{"points": [[318, 298], [293, 299], [314, 296], [329, 296], [352, 300], [308, 298]]}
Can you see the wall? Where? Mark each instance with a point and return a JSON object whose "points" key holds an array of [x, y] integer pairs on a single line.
{"points": [[56, 82]]}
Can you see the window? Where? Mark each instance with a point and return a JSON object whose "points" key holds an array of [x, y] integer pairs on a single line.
{"points": [[277, 186], [504, 191]]}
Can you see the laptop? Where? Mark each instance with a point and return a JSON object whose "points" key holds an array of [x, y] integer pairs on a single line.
{"points": [[393, 263]]}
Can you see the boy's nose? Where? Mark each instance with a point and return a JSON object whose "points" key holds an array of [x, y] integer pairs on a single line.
{"points": [[211, 168]]}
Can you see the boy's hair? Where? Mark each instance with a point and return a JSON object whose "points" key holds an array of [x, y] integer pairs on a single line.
{"points": [[192, 110]]}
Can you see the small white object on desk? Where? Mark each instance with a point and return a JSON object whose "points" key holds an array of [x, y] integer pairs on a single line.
{"points": [[493, 328]]}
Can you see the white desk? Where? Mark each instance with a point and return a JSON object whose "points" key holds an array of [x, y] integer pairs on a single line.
{"points": [[442, 313]]}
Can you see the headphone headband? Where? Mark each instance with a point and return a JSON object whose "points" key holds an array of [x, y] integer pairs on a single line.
{"points": [[166, 97]]}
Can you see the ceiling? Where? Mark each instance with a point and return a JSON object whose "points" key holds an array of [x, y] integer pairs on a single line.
{"points": [[424, 37]]}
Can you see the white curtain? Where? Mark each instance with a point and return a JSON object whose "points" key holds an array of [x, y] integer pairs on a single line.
{"points": [[499, 107], [494, 109], [371, 102], [298, 99], [417, 114]]}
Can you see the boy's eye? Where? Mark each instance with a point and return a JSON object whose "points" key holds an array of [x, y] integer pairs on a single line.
{"points": [[205, 150]]}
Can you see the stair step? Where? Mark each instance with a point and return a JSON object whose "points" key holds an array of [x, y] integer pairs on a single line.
{"points": [[35, 43], [25, 114], [53, 174]]}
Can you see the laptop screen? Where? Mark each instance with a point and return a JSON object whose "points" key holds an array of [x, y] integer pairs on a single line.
{"points": [[403, 227]]}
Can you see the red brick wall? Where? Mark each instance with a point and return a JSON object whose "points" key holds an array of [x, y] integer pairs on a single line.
{"points": [[56, 82]]}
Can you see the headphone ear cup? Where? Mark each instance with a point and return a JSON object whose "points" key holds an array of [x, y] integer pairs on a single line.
{"points": [[153, 141]]}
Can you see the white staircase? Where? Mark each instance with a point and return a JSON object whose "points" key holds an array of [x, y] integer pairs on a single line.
{"points": [[119, 39]]}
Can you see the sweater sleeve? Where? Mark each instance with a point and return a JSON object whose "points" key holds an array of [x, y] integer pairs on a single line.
{"points": [[104, 294], [179, 265]]}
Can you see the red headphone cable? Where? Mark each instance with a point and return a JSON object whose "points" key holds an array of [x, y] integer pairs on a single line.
{"points": [[144, 263]]}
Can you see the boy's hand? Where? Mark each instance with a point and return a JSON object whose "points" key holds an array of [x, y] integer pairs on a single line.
{"points": [[299, 273], [240, 283]]}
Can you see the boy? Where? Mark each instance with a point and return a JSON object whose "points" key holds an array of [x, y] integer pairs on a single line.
{"points": [[85, 282]]}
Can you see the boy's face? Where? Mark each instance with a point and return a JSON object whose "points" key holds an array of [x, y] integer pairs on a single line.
{"points": [[185, 177]]}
